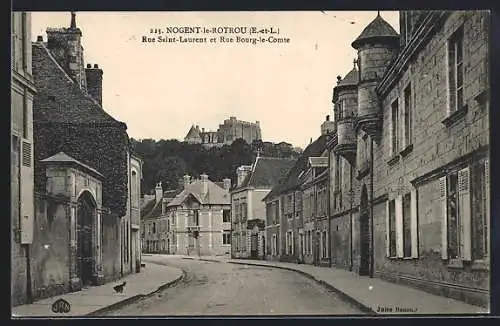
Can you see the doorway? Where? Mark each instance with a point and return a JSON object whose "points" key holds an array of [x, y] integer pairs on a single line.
{"points": [[364, 234], [254, 245], [84, 236]]}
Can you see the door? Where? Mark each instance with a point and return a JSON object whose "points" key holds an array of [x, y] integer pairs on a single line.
{"points": [[316, 248], [364, 234], [84, 230], [254, 245]]}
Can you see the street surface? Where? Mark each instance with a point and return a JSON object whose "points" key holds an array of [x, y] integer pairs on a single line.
{"points": [[211, 288]]}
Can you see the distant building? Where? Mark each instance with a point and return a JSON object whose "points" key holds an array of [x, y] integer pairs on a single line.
{"points": [[226, 134], [199, 218], [248, 210], [155, 226]]}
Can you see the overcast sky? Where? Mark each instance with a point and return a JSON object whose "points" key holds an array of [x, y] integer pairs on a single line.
{"points": [[159, 90]]}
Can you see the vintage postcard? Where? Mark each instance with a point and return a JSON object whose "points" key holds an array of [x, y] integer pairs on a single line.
{"points": [[250, 163]]}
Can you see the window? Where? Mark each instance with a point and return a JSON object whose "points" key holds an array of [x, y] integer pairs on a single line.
{"points": [[392, 229], [310, 242], [226, 215], [406, 225], [402, 226], [276, 211], [196, 217], [395, 126], [243, 209], [324, 246], [24, 24], [154, 228], [340, 109], [455, 71], [226, 237], [464, 202], [408, 116], [274, 245], [134, 190]]}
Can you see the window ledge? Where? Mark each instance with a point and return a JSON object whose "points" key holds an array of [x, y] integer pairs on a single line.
{"points": [[455, 116], [406, 151], [393, 160], [480, 265], [455, 263]]}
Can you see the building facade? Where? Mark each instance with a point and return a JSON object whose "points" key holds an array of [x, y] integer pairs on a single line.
{"points": [[291, 206], [230, 130], [199, 218], [81, 233], [248, 210], [21, 170], [410, 155], [155, 223]]}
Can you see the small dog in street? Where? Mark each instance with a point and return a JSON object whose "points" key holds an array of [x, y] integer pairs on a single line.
{"points": [[119, 288]]}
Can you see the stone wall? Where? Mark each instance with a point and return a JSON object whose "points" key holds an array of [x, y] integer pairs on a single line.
{"points": [[50, 264], [434, 145], [110, 248]]}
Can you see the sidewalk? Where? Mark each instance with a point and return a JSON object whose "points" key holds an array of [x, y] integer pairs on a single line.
{"points": [[98, 298], [373, 295]]}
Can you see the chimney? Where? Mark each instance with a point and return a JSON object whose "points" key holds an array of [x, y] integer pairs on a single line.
{"points": [[204, 181], [66, 47], [242, 173], [227, 183], [94, 82], [158, 192], [187, 181]]}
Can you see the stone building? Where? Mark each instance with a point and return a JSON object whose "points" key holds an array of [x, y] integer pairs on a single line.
{"points": [[154, 224], [85, 207], [227, 132], [199, 218], [289, 220], [21, 171], [248, 210], [409, 160]]}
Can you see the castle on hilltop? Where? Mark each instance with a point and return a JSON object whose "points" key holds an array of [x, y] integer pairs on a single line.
{"points": [[227, 132]]}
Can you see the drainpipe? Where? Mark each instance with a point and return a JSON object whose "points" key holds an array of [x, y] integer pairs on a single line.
{"points": [[328, 184], [371, 209], [351, 200]]}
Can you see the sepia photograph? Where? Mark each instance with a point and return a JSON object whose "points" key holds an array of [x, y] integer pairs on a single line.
{"points": [[250, 163]]}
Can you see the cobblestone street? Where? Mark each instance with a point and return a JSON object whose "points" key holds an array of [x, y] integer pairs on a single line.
{"points": [[225, 289]]}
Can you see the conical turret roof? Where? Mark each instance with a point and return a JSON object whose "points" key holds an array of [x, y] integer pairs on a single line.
{"points": [[377, 29], [193, 133], [351, 78]]}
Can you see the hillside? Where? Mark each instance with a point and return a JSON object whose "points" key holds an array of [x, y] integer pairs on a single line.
{"points": [[168, 160]]}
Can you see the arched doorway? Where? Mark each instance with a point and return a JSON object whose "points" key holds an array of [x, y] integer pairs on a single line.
{"points": [[84, 235], [364, 234]]}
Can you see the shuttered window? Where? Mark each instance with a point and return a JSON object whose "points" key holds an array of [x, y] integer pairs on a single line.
{"points": [[26, 147]]}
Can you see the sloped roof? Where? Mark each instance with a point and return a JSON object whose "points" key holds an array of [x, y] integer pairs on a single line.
{"points": [[267, 172], [316, 148], [193, 133], [377, 29], [214, 196], [351, 78], [59, 98], [155, 212], [62, 157], [148, 208]]}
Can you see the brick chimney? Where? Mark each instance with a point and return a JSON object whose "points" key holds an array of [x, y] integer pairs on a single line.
{"points": [[204, 181], [158, 192], [94, 82], [66, 47], [227, 183], [187, 180]]}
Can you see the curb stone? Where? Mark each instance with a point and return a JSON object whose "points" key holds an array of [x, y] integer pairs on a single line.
{"points": [[137, 297], [344, 295]]}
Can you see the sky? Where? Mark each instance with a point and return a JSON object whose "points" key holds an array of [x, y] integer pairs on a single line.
{"points": [[161, 89]]}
